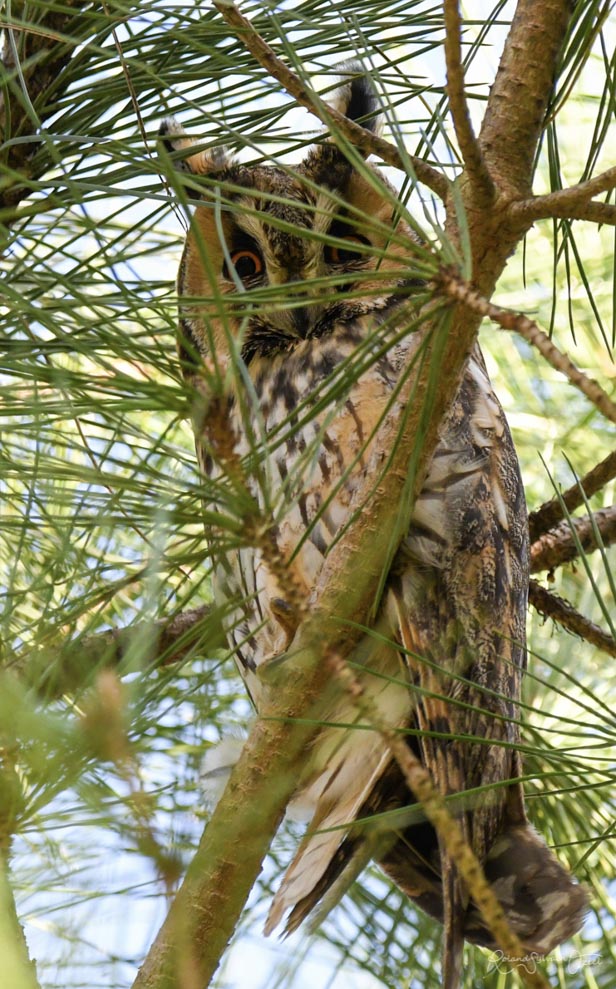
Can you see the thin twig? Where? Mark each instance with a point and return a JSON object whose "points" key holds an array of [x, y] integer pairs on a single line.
{"points": [[55, 669], [449, 831], [593, 212], [551, 512], [460, 290], [565, 201], [482, 187], [560, 362], [551, 606], [127, 75], [354, 133], [560, 545]]}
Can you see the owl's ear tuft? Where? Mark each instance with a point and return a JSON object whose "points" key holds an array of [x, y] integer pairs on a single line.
{"points": [[356, 97], [173, 139]]}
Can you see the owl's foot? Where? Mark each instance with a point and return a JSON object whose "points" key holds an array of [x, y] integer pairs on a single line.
{"points": [[286, 616], [271, 666]]}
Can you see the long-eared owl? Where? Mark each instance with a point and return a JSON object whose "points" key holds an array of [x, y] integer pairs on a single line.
{"points": [[299, 292]]}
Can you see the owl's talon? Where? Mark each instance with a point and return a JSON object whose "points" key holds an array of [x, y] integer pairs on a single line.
{"points": [[270, 666], [285, 615]]}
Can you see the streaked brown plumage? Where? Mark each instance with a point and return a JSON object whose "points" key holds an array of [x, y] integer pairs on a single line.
{"points": [[449, 653]]}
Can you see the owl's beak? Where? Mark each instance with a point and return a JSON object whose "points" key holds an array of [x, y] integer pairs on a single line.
{"points": [[302, 320]]}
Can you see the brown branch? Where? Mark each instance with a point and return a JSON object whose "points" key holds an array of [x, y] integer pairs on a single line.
{"points": [[565, 202], [203, 914], [551, 606], [354, 133], [560, 362], [551, 512], [559, 545], [519, 96], [476, 173], [446, 826], [54, 670], [456, 288], [601, 213], [33, 59]]}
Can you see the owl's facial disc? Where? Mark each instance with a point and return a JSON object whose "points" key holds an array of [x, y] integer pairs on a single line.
{"points": [[284, 259], [286, 281]]}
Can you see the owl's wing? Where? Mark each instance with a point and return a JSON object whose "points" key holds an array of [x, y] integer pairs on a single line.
{"points": [[462, 622]]}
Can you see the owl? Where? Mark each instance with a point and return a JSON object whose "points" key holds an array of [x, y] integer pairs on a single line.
{"points": [[299, 294]]}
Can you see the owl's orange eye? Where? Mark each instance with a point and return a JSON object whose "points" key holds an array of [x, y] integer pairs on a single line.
{"points": [[247, 263], [339, 254]]}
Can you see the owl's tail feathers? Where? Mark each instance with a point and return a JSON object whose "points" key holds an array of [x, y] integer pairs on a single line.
{"points": [[542, 902], [453, 925], [333, 852], [322, 870]]}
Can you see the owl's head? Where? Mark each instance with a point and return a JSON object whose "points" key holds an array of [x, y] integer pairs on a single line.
{"points": [[279, 254]]}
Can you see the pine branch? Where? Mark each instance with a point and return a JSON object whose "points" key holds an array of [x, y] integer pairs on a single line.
{"points": [[565, 202], [204, 912], [38, 44], [69, 667], [354, 133], [456, 288], [553, 511], [552, 606], [476, 173], [560, 362], [560, 545]]}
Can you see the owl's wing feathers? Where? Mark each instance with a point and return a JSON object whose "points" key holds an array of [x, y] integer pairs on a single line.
{"points": [[463, 625], [321, 857], [344, 770]]}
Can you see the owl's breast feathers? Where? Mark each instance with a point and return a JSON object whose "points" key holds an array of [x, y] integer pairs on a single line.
{"points": [[450, 651]]}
